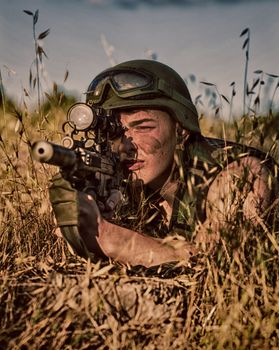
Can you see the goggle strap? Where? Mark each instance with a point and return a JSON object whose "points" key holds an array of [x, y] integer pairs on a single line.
{"points": [[168, 90]]}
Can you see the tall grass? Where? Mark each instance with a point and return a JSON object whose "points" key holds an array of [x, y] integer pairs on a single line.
{"points": [[51, 299]]}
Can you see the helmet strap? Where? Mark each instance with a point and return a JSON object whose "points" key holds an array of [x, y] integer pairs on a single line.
{"points": [[182, 135]]}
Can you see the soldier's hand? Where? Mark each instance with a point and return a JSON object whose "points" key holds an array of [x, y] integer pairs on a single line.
{"points": [[77, 215], [64, 201]]}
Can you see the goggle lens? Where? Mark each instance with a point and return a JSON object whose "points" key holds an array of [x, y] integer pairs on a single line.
{"points": [[127, 81], [120, 81]]}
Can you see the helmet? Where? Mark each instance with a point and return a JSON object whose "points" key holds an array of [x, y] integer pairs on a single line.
{"points": [[144, 83]]}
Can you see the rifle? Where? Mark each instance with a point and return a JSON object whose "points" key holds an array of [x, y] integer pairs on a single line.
{"points": [[86, 157]]}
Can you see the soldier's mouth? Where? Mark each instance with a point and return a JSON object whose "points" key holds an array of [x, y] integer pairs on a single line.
{"points": [[134, 164]]}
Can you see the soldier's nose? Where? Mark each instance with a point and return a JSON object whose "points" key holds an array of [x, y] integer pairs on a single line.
{"points": [[128, 143], [127, 148]]}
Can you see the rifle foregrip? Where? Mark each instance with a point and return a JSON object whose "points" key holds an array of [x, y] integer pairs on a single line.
{"points": [[47, 152]]}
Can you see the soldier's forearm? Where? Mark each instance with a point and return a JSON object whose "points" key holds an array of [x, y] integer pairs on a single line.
{"points": [[103, 238], [131, 247], [134, 248]]}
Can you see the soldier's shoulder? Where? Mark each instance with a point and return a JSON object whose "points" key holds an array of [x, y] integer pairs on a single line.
{"points": [[226, 151]]}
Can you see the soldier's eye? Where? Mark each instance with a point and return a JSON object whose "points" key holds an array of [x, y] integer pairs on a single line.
{"points": [[144, 127]]}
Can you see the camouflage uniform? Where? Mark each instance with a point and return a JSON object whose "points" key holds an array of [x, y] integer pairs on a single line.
{"points": [[203, 159]]}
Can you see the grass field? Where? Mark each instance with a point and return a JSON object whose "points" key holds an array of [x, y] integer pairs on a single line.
{"points": [[51, 299]]}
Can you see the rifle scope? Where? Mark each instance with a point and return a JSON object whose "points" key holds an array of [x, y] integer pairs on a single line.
{"points": [[82, 116]]}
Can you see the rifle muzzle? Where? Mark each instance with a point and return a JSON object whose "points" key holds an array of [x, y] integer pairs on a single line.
{"points": [[47, 152]]}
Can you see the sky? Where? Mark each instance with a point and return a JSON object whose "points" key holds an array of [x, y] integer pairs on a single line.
{"points": [[194, 37]]}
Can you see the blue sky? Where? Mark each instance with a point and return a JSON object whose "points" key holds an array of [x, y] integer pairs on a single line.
{"points": [[199, 37]]}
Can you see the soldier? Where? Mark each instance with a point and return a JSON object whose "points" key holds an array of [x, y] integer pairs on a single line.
{"points": [[183, 184]]}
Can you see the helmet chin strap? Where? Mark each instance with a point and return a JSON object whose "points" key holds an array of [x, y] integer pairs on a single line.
{"points": [[182, 135]]}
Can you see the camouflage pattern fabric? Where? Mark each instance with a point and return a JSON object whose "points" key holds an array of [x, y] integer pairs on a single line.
{"points": [[204, 159]]}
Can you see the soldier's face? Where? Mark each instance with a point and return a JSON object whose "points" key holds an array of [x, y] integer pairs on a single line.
{"points": [[149, 144]]}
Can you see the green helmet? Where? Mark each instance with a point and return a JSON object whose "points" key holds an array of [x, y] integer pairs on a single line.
{"points": [[144, 83]]}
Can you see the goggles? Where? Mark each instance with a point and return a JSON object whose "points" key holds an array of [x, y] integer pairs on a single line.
{"points": [[132, 85]]}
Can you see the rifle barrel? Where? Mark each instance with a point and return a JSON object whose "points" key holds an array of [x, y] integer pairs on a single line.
{"points": [[48, 152]]}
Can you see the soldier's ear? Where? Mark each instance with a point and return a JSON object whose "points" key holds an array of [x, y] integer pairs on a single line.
{"points": [[182, 134]]}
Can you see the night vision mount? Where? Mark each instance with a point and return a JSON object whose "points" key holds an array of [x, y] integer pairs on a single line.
{"points": [[89, 127], [87, 157]]}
